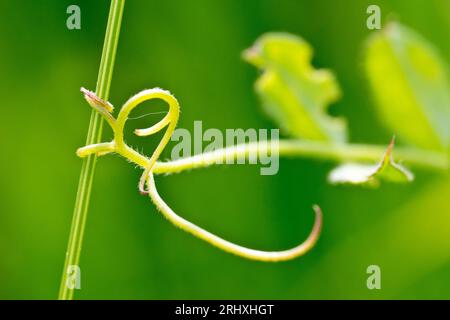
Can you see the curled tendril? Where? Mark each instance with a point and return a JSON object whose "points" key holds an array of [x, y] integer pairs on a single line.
{"points": [[119, 146]]}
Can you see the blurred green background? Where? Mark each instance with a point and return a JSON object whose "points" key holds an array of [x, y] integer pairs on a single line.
{"points": [[192, 48]]}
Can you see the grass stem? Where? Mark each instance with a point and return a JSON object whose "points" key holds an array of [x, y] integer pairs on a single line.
{"points": [[71, 264]]}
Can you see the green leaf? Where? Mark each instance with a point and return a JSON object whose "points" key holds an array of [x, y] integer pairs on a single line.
{"points": [[293, 93], [356, 173], [410, 85]]}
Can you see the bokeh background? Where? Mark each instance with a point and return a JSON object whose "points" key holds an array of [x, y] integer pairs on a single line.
{"points": [[193, 48]]}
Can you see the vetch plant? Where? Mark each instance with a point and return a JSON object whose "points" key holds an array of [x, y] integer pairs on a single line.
{"points": [[119, 146], [296, 96]]}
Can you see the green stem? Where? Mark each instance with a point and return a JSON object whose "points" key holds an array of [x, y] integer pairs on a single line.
{"points": [[311, 149], [94, 136]]}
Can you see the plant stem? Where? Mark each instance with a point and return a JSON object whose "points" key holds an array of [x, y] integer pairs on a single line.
{"points": [[311, 149], [94, 136]]}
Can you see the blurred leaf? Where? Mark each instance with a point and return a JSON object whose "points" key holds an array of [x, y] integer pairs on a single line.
{"points": [[293, 93], [387, 169], [409, 81], [411, 242]]}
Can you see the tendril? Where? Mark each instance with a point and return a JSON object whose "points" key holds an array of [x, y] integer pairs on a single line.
{"points": [[169, 122]]}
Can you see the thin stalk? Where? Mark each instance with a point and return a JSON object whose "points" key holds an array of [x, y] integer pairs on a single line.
{"points": [[94, 136]]}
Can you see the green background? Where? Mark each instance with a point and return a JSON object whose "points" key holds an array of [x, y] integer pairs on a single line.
{"points": [[192, 48]]}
